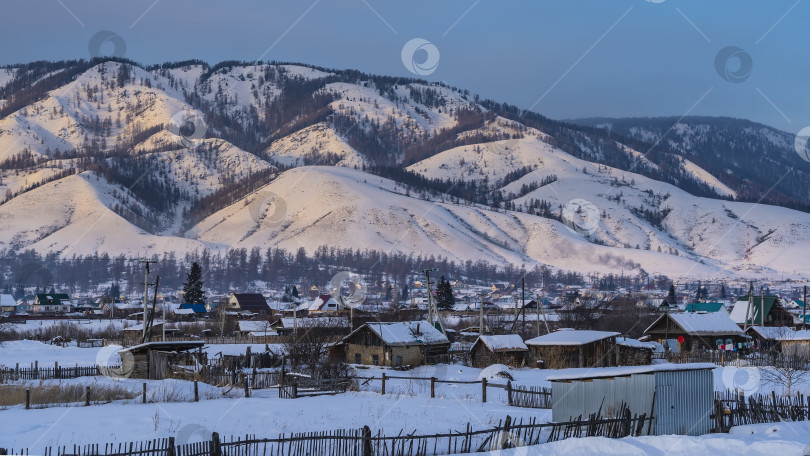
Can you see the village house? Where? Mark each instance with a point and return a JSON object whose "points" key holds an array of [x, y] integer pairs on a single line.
{"points": [[52, 303], [394, 344], [248, 303], [697, 331], [322, 304], [745, 313], [568, 348], [767, 338], [796, 343], [7, 303], [507, 349]]}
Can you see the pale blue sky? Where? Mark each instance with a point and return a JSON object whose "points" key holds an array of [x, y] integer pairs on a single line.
{"points": [[564, 59]]}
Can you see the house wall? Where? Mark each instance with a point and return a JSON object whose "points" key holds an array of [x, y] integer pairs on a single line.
{"points": [[481, 356], [633, 356], [796, 347], [387, 356]]}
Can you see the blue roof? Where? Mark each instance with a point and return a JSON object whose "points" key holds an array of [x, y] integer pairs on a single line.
{"points": [[197, 308]]}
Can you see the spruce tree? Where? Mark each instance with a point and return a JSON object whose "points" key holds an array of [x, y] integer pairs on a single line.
{"points": [[671, 298], [405, 292], [193, 286], [444, 295]]}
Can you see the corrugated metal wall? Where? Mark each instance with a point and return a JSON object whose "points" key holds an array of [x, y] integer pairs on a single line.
{"points": [[683, 399], [683, 402]]}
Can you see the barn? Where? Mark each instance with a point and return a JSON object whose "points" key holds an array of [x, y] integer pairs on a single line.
{"points": [[568, 348], [506, 349], [679, 397], [160, 360]]}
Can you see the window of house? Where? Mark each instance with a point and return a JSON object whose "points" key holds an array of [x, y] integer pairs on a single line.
{"points": [[399, 360], [375, 359], [357, 358]]}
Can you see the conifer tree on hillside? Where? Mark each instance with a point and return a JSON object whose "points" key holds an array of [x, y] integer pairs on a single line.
{"points": [[444, 295], [405, 293], [193, 286], [672, 299]]}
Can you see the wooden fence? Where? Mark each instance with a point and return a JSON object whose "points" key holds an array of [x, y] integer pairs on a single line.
{"points": [[363, 442], [734, 409], [530, 396], [737, 359], [49, 373]]}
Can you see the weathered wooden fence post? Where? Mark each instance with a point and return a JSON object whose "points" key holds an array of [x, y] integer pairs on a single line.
{"points": [[143, 400], [56, 372], [196, 392], [216, 449], [382, 390], [432, 387], [27, 398], [483, 390], [170, 450], [86, 395], [247, 385], [3, 451], [506, 439], [367, 448], [509, 392]]}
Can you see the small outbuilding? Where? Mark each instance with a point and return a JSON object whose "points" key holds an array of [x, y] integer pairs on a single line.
{"points": [[507, 349], [160, 360], [679, 397], [249, 303], [568, 348]]}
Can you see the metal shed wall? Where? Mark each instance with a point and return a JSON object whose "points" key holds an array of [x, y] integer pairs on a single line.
{"points": [[683, 399], [683, 402]]}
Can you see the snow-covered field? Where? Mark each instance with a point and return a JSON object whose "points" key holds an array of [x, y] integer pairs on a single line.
{"points": [[407, 406]]}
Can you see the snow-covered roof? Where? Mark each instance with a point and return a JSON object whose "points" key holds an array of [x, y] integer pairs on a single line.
{"points": [[183, 311], [6, 300], [257, 326], [635, 343], [602, 372], [139, 326], [800, 335], [269, 332], [772, 332], [705, 323], [406, 333], [316, 322], [571, 337], [503, 342]]}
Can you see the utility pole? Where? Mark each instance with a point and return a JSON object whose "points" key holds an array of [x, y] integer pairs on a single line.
{"points": [[146, 294], [804, 310], [433, 314], [762, 305], [750, 308], [481, 316]]}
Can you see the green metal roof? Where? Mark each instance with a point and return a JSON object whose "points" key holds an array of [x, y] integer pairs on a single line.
{"points": [[756, 318], [704, 307]]}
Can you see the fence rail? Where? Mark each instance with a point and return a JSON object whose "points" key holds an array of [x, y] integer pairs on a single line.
{"points": [[737, 359], [734, 409]]}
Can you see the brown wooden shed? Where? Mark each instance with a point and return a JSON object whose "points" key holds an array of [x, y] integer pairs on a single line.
{"points": [[568, 348], [506, 349], [160, 360]]}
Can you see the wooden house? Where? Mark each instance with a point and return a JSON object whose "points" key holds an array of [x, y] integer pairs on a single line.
{"points": [[568, 348], [253, 303], [697, 331], [394, 344], [767, 338], [8, 303], [745, 313], [796, 343], [506, 349], [160, 360]]}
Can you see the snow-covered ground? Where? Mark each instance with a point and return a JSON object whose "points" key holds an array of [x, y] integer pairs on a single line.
{"points": [[407, 406]]}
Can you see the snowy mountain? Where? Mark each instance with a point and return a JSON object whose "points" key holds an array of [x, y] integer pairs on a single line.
{"points": [[113, 157]]}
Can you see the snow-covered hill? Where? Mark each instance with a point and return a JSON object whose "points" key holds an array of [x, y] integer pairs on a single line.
{"points": [[122, 159]]}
